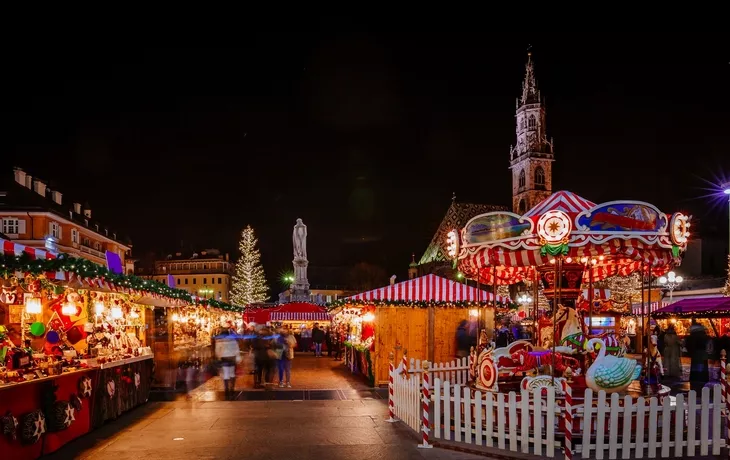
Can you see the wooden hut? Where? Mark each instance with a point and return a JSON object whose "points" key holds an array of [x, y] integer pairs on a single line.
{"points": [[420, 315]]}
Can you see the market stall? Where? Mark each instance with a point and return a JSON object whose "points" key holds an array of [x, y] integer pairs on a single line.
{"points": [[299, 316], [74, 347], [711, 312], [419, 315]]}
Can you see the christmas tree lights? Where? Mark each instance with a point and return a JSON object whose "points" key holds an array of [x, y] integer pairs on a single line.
{"points": [[249, 282]]}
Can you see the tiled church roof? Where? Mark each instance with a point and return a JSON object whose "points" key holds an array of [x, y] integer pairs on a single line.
{"points": [[456, 217]]}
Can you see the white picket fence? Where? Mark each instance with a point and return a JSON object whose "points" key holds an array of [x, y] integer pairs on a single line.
{"points": [[604, 426]]}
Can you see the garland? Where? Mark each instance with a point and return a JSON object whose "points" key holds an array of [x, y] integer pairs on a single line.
{"points": [[414, 304], [366, 351], [86, 269]]}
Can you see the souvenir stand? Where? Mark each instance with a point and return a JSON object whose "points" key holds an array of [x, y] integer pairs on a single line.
{"points": [[74, 347], [419, 315], [563, 245]]}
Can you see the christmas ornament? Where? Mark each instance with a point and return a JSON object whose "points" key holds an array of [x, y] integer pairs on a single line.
{"points": [[111, 388], [33, 426], [37, 329], [85, 387], [9, 425], [137, 379]]}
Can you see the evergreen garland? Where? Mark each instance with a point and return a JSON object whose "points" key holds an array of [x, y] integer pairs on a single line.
{"points": [[414, 303], [83, 268]]}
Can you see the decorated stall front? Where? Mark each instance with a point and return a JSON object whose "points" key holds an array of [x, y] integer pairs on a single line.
{"points": [[74, 347], [420, 316], [711, 312], [298, 316]]}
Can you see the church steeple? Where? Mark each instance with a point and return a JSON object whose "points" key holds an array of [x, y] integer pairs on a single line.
{"points": [[531, 158], [530, 93]]}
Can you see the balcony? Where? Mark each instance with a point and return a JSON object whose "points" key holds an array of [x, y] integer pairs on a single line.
{"points": [[92, 251]]}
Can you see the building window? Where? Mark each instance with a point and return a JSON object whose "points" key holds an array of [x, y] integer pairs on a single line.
{"points": [[194, 282], [87, 243], [97, 246], [55, 230], [219, 281], [531, 123], [521, 183], [205, 280], [220, 295], [540, 177], [212, 281], [74, 236], [178, 282], [523, 206], [186, 281], [11, 226]]}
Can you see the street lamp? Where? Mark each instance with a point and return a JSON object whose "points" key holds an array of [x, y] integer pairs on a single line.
{"points": [[206, 292], [671, 281]]}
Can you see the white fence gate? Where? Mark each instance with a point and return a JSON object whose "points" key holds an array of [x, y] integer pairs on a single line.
{"points": [[604, 426]]}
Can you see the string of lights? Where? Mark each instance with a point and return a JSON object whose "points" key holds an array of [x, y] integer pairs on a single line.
{"points": [[86, 269]]}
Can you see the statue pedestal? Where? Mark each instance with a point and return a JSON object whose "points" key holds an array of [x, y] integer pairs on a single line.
{"points": [[300, 287]]}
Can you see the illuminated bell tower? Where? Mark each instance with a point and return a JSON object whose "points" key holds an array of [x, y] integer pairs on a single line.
{"points": [[413, 268], [532, 158]]}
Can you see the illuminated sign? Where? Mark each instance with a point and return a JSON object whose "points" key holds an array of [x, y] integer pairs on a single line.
{"points": [[602, 321]]}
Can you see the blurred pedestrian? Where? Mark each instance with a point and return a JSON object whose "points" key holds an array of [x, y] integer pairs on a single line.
{"points": [[227, 352], [288, 342]]}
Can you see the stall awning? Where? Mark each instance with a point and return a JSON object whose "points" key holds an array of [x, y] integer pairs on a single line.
{"points": [[648, 308], [429, 288], [294, 311], [10, 248], [712, 307]]}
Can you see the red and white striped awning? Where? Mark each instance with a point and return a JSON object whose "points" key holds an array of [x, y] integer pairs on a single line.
{"points": [[10, 248], [568, 202], [654, 306], [429, 288], [299, 316]]}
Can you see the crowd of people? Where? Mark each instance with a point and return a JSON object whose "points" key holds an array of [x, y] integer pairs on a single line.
{"points": [[270, 352]]}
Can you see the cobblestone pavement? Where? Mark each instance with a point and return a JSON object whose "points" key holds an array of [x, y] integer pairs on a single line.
{"points": [[202, 427]]}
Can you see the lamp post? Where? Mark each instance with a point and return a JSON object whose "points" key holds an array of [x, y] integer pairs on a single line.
{"points": [[671, 281], [206, 291], [525, 300]]}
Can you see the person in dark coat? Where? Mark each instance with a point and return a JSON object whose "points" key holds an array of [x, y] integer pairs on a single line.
{"points": [[463, 340], [318, 338], [699, 372]]}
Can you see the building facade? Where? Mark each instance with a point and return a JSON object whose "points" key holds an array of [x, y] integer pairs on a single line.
{"points": [[532, 157], [34, 215], [207, 274]]}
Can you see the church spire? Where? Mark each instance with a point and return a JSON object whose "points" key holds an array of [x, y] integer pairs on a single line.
{"points": [[530, 94]]}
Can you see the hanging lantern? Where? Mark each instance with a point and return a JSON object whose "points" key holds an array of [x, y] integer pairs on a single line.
{"points": [[33, 306], [99, 308], [117, 312]]}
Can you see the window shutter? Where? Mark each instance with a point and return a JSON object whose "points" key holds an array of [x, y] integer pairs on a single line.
{"points": [[21, 226], [50, 228]]}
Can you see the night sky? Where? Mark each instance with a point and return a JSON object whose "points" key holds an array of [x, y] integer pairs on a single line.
{"points": [[362, 133]]}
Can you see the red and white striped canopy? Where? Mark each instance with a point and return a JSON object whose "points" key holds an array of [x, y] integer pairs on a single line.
{"points": [[293, 311], [429, 288], [10, 248], [299, 316], [568, 202]]}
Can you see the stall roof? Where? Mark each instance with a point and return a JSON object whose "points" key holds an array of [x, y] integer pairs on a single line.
{"points": [[293, 311], [429, 288], [712, 307]]}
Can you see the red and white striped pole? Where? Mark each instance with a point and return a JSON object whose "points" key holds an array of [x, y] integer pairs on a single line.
{"points": [[725, 377], [426, 403], [391, 375], [404, 369], [568, 439]]}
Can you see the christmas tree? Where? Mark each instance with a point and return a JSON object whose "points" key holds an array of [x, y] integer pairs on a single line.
{"points": [[726, 289], [249, 282]]}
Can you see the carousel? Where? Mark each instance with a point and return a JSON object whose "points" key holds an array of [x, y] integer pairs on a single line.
{"points": [[564, 244]]}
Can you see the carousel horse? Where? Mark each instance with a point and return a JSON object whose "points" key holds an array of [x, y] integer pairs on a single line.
{"points": [[533, 360], [574, 335]]}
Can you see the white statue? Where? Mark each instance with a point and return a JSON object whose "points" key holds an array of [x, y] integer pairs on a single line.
{"points": [[300, 241]]}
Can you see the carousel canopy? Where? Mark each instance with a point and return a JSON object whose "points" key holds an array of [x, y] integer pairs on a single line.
{"points": [[294, 311], [428, 288], [712, 307], [623, 236]]}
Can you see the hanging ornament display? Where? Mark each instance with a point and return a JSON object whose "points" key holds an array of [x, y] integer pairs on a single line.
{"points": [[37, 329], [9, 424], [75, 402], [111, 388], [9, 293], [85, 386], [137, 379], [33, 425], [61, 415]]}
